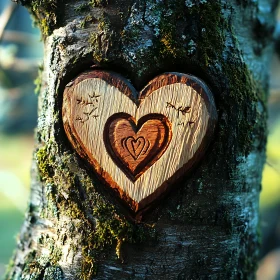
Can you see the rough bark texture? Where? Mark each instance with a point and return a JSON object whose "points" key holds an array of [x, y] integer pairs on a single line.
{"points": [[207, 228]]}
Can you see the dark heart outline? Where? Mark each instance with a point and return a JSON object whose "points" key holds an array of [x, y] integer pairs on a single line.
{"points": [[135, 156], [150, 160], [127, 89]]}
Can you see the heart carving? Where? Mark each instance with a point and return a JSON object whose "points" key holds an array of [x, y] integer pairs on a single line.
{"points": [[136, 147], [139, 144]]}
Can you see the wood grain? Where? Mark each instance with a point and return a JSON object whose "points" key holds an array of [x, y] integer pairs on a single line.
{"points": [[136, 146], [139, 145]]}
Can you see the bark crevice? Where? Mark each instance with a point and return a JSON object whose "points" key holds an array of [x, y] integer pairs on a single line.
{"points": [[208, 226]]}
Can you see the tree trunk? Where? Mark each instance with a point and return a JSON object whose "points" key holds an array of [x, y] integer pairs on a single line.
{"points": [[207, 227]]}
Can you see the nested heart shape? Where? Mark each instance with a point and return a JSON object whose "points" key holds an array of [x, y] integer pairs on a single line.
{"points": [[139, 145], [136, 146]]}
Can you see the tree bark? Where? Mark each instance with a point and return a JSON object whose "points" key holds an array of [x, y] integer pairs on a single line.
{"points": [[207, 227]]}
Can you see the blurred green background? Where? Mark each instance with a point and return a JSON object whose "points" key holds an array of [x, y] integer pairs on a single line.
{"points": [[20, 56]]}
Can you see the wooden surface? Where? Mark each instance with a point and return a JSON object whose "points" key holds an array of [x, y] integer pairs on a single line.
{"points": [[135, 146], [139, 145]]}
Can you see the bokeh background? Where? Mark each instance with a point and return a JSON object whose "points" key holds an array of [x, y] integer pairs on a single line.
{"points": [[21, 52]]}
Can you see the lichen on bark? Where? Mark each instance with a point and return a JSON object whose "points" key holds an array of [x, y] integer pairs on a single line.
{"points": [[207, 226]]}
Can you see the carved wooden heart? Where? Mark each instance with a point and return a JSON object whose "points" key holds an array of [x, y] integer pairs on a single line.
{"points": [[136, 147], [139, 145]]}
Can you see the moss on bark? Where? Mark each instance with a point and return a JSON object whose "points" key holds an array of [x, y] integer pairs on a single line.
{"points": [[207, 227], [102, 227]]}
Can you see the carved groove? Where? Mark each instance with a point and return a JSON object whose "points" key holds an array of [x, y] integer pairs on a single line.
{"points": [[136, 147], [139, 144]]}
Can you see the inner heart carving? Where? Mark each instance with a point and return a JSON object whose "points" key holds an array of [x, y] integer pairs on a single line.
{"points": [[136, 147], [139, 144]]}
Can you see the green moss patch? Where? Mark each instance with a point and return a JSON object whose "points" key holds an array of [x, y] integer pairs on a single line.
{"points": [[45, 14], [100, 227]]}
